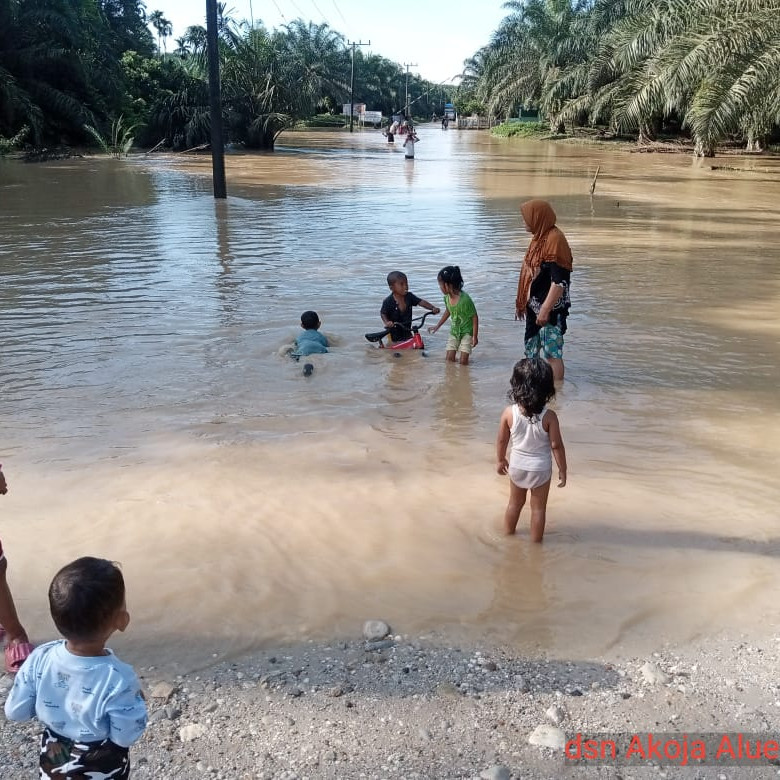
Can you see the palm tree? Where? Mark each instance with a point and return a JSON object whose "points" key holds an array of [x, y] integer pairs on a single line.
{"points": [[163, 27], [527, 57], [273, 80], [714, 62], [41, 75]]}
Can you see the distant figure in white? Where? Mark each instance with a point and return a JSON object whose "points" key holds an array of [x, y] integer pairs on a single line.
{"points": [[411, 140]]}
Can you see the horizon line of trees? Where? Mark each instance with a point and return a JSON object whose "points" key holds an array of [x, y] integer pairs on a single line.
{"points": [[706, 68], [69, 68]]}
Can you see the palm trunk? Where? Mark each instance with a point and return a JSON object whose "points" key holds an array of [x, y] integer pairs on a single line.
{"points": [[646, 134], [557, 126], [262, 140], [755, 143], [704, 148]]}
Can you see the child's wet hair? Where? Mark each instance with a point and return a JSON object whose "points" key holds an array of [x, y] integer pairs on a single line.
{"points": [[84, 596], [451, 276], [396, 276], [310, 320], [532, 385]]}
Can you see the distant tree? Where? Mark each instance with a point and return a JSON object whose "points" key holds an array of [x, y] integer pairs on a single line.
{"points": [[163, 27]]}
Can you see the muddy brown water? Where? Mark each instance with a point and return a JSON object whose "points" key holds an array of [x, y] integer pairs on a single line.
{"points": [[148, 413]]}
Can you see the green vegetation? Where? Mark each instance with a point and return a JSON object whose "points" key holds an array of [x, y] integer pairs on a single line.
{"points": [[119, 142], [7, 145], [81, 72], [710, 68], [522, 129], [324, 120], [707, 69]]}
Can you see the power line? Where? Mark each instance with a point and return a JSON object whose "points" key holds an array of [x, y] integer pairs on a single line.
{"points": [[335, 5], [300, 13], [284, 18], [324, 18]]}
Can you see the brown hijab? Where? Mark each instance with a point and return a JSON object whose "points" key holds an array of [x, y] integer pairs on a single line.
{"points": [[548, 245]]}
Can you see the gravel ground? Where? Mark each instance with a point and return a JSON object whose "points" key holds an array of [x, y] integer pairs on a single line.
{"points": [[419, 707]]}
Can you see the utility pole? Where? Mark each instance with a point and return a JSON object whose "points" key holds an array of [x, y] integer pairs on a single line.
{"points": [[215, 103], [406, 102], [352, 81]]}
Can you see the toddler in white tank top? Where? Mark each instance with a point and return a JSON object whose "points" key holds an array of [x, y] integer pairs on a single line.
{"points": [[533, 434]]}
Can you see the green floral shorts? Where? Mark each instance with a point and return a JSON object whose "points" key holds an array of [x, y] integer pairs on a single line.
{"points": [[547, 343]]}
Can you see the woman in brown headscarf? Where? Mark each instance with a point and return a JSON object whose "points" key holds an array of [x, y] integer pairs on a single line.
{"points": [[543, 289]]}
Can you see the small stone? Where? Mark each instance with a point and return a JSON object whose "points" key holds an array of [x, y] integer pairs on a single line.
{"points": [[547, 736], [496, 772], [654, 675], [162, 690], [521, 684], [173, 712], [192, 732], [374, 630], [447, 689], [556, 715], [158, 715]]}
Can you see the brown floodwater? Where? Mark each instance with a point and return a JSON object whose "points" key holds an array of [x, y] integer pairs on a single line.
{"points": [[148, 413]]}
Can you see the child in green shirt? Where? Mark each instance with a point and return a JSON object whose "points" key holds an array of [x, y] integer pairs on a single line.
{"points": [[462, 313]]}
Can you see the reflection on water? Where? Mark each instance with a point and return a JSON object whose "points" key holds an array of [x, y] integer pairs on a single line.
{"points": [[148, 415]]}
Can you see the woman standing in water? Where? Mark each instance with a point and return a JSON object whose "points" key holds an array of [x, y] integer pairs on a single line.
{"points": [[543, 289]]}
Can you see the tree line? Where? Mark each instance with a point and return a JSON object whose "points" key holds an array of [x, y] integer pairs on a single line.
{"points": [[71, 70], [709, 68]]}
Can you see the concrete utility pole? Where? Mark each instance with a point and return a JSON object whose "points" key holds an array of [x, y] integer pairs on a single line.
{"points": [[352, 81], [406, 102], [215, 102]]}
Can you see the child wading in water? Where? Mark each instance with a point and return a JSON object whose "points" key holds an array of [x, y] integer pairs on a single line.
{"points": [[411, 140], [89, 703], [535, 436], [461, 311], [396, 311]]}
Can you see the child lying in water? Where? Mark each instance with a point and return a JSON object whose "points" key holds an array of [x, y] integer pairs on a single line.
{"points": [[310, 341]]}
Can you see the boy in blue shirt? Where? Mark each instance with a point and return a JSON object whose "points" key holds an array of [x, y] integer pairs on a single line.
{"points": [[310, 341], [89, 702]]}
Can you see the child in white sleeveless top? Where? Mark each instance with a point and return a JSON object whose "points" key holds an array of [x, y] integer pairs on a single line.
{"points": [[535, 437]]}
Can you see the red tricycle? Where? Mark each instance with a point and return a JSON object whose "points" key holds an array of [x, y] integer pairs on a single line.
{"points": [[413, 342]]}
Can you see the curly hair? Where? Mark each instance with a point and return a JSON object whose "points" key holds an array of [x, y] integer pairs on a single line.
{"points": [[532, 385]]}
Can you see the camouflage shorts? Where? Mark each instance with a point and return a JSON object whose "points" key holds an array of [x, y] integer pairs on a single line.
{"points": [[547, 343], [68, 758]]}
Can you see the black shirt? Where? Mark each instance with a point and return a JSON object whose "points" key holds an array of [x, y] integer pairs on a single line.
{"points": [[549, 273], [391, 312]]}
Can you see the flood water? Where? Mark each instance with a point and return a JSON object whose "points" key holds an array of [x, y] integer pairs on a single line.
{"points": [[149, 415]]}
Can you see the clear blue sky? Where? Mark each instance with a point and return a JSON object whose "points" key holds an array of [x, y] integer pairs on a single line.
{"points": [[436, 34]]}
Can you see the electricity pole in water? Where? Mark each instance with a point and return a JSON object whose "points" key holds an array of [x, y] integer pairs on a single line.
{"points": [[352, 81], [215, 102], [406, 103]]}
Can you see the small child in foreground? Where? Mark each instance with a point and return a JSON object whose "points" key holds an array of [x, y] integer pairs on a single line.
{"points": [[89, 703], [310, 341], [535, 436]]}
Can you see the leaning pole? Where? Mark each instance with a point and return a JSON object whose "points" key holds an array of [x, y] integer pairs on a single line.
{"points": [[215, 102]]}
